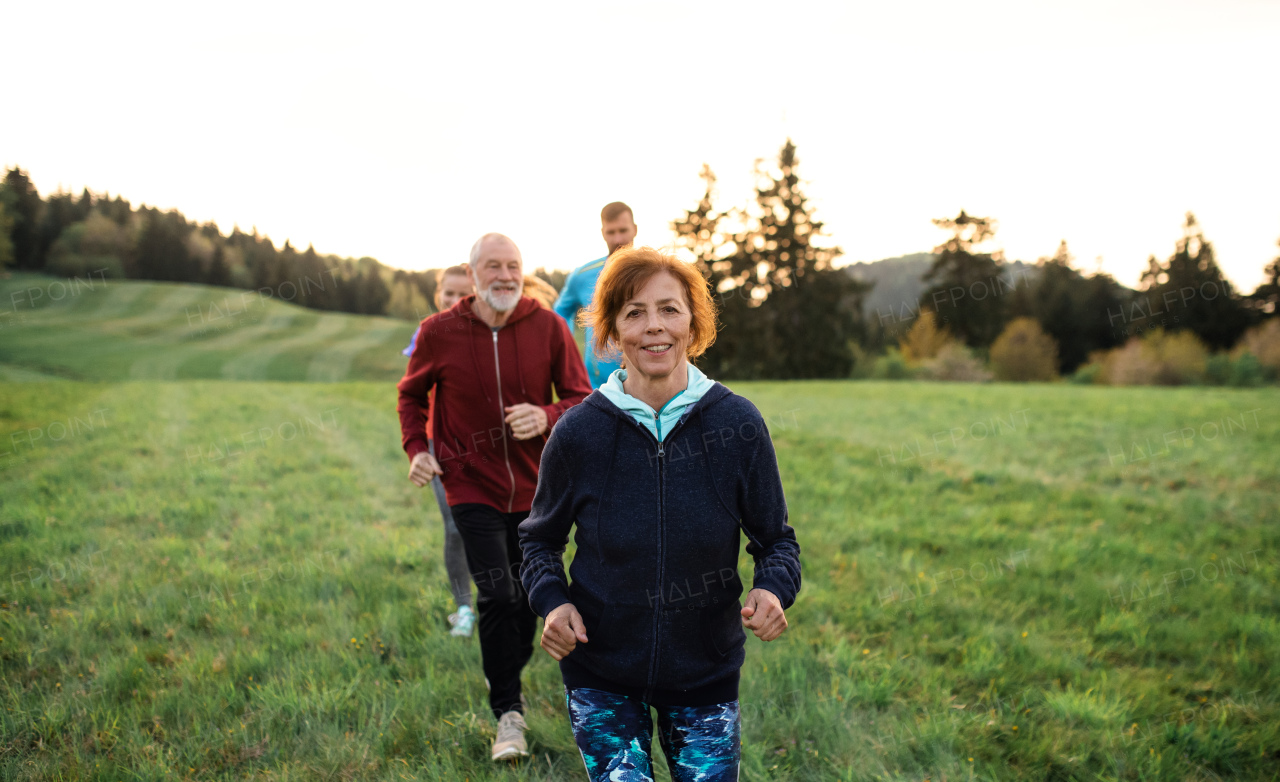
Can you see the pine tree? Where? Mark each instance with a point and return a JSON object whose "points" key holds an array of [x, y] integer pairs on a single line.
{"points": [[60, 211], [23, 205], [85, 205], [697, 232], [162, 252], [6, 243], [317, 287], [816, 310], [785, 311], [1105, 299], [1265, 299], [698, 235], [1056, 297], [967, 290], [262, 261], [1189, 291], [219, 274], [373, 294]]}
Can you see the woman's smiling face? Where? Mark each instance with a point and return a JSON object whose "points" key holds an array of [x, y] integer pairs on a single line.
{"points": [[653, 327]]}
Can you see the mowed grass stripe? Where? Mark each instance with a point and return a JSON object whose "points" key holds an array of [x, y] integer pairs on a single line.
{"points": [[333, 362], [254, 363], [112, 300], [204, 340], [146, 330], [168, 305], [16, 374], [269, 324]]}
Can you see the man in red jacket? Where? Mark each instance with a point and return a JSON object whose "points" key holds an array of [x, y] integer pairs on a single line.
{"points": [[492, 359]]}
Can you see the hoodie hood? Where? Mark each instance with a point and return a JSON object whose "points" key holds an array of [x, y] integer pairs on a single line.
{"points": [[658, 422]]}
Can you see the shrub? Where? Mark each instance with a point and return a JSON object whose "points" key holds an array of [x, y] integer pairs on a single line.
{"points": [[1264, 343], [862, 364], [891, 366], [955, 362], [1157, 358], [1024, 352], [1182, 356], [1243, 370], [93, 247], [1131, 364], [1247, 371], [1087, 374], [1217, 370], [925, 340], [69, 264]]}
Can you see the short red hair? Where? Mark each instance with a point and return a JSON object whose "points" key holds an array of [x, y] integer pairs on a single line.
{"points": [[626, 271]]}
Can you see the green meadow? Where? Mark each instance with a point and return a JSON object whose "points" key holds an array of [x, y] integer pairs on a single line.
{"points": [[89, 328], [205, 577]]}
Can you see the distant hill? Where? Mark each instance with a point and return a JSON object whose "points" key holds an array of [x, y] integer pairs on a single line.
{"points": [[135, 330], [897, 282], [898, 285]]}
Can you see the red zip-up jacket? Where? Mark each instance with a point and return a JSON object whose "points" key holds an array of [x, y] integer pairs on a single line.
{"points": [[476, 372]]}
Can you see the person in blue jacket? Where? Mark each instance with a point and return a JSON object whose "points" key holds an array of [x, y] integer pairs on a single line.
{"points": [[659, 472], [618, 228]]}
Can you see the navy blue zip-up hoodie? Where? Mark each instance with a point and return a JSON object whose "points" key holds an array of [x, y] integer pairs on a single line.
{"points": [[655, 576]]}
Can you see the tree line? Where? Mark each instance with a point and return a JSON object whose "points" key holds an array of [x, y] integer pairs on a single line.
{"points": [[77, 235], [788, 313], [786, 310]]}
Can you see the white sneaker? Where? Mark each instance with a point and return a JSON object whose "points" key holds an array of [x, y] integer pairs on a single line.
{"points": [[462, 622], [509, 743]]}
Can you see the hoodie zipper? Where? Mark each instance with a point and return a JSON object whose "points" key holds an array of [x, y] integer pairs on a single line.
{"points": [[662, 542], [502, 419], [657, 614]]}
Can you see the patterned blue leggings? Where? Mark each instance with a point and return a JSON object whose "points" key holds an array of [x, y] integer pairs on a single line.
{"points": [[614, 734]]}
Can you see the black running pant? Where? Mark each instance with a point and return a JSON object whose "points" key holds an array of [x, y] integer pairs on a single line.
{"points": [[507, 623]]}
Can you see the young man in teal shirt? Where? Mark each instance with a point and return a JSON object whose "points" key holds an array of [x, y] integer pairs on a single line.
{"points": [[618, 227]]}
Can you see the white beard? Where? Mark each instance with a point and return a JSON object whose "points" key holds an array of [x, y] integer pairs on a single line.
{"points": [[501, 302]]}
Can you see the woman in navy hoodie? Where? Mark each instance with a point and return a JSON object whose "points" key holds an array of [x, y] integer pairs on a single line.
{"points": [[659, 470]]}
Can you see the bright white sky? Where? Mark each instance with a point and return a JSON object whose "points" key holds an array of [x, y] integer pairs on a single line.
{"points": [[405, 132]]}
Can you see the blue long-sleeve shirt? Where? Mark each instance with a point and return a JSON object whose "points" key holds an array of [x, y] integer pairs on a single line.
{"points": [[578, 289]]}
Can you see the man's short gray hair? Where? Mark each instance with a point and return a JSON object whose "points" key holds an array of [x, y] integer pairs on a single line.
{"points": [[475, 248]]}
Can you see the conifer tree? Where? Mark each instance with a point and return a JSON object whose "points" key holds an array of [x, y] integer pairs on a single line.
{"points": [[1265, 299], [219, 274], [786, 312], [23, 205], [6, 243], [966, 290], [1191, 292]]}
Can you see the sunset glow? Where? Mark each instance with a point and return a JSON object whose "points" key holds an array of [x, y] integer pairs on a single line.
{"points": [[404, 133]]}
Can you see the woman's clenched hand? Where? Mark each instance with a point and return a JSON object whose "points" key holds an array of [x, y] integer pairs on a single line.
{"points": [[562, 631], [762, 614]]}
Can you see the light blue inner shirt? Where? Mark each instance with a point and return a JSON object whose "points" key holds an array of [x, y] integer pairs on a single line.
{"points": [[657, 421]]}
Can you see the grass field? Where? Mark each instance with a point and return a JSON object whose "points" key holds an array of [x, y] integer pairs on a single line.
{"points": [[180, 601], [222, 579]]}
